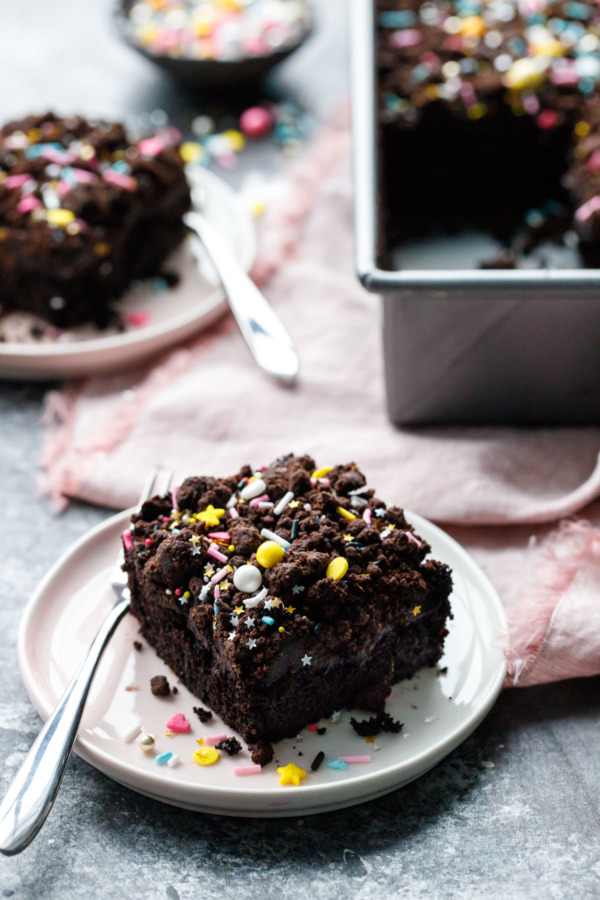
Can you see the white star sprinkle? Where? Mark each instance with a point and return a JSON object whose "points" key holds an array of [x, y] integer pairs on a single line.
{"points": [[231, 635], [297, 589], [385, 533], [250, 621], [380, 512], [268, 604], [196, 550], [235, 621], [306, 660], [251, 643]]}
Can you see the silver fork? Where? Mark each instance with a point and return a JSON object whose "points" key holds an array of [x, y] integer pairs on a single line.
{"points": [[31, 795]]}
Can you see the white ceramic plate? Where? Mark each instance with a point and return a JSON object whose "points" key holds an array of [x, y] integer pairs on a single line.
{"points": [[438, 711], [170, 317]]}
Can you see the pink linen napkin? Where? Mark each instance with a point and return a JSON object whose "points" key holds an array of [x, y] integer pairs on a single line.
{"points": [[205, 407]]}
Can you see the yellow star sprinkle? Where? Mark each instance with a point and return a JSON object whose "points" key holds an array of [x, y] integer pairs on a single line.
{"points": [[276, 602], [290, 774], [290, 609], [210, 515], [416, 611], [391, 526], [294, 504], [238, 609], [370, 739], [195, 539], [209, 571], [348, 538], [224, 585]]}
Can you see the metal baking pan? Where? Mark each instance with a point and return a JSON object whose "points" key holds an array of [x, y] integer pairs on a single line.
{"points": [[470, 346]]}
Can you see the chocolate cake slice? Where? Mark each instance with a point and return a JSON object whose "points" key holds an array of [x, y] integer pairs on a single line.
{"points": [[84, 211], [281, 595], [489, 117]]}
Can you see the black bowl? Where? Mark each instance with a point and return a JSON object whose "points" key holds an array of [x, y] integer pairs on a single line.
{"points": [[209, 75]]}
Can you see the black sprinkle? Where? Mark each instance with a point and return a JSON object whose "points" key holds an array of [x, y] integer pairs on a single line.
{"points": [[203, 714], [321, 730], [317, 761], [295, 527], [231, 746], [174, 690], [138, 645]]}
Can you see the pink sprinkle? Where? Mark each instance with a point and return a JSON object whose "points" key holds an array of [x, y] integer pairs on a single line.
{"points": [[256, 121], [256, 500], [150, 146], [547, 119], [168, 136], [59, 157], [588, 209], [165, 518], [137, 319], [220, 536], [215, 739], [367, 515], [179, 724], [217, 592], [17, 181], [467, 93], [247, 770], [324, 481], [218, 575], [120, 179], [531, 104], [453, 42], [234, 513], [127, 540], [565, 75], [228, 160], [313, 480], [407, 38], [26, 204], [216, 553], [147, 542], [62, 188], [312, 727], [83, 176], [174, 497], [357, 759], [178, 592], [412, 538], [594, 161]]}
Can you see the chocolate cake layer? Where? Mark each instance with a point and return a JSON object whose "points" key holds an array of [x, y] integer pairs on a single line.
{"points": [[83, 213], [490, 117], [281, 595]]}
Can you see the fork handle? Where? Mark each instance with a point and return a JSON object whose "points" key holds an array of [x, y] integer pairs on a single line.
{"points": [[32, 793]]}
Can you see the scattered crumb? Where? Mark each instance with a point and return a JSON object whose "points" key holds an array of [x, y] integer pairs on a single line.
{"points": [[174, 689], [203, 714], [160, 686], [261, 753], [381, 722], [321, 730], [443, 671], [132, 687], [231, 746], [138, 646]]}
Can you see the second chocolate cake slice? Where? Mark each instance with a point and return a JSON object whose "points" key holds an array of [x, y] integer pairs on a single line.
{"points": [[281, 595]]}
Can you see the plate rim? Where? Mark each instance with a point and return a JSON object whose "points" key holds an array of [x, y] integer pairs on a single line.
{"points": [[105, 762], [13, 352]]}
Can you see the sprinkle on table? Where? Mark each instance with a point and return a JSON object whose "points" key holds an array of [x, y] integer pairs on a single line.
{"points": [[337, 764], [291, 774], [206, 756], [247, 770], [356, 758], [317, 761], [179, 724]]}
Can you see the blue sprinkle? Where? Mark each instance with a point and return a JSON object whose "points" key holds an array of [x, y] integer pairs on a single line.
{"points": [[536, 19], [577, 10], [160, 285], [587, 85], [57, 235], [404, 18], [516, 46], [268, 620], [36, 150], [295, 527], [121, 166], [176, 531], [420, 72], [557, 26], [337, 764], [317, 627], [67, 174], [163, 758]]}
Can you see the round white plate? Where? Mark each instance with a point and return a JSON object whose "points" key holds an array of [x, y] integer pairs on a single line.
{"points": [[166, 318], [438, 710]]}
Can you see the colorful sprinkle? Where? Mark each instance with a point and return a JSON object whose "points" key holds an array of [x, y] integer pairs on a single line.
{"points": [[356, 758], [178, 723], [337, 568], [215, 739], [346, 514], [247, 578], [163, 758], [291, 774], [337, 764], [146, 742], [269, 554], [127, 539], [214, 551], [253, 489], [315, 764], [206, 756], [247, 770], [282, 504], [271, 536]]}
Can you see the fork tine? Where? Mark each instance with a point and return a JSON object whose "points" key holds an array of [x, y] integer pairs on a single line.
{"points": [[148, 488], [163, 481]]}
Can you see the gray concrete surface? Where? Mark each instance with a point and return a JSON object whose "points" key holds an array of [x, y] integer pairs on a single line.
{"points": [[513, 813]]}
